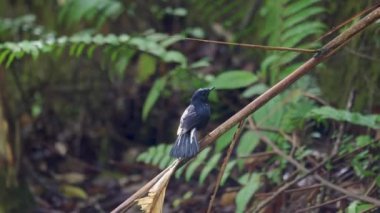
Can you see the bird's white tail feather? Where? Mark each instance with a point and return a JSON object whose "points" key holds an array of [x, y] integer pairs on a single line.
{"points": [[186, 145]]}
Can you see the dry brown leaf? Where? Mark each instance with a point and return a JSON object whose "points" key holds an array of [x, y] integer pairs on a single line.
{"points": [[154, 201]]}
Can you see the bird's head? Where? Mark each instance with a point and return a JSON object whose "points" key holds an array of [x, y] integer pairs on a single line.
{"points": [[201, 94]]}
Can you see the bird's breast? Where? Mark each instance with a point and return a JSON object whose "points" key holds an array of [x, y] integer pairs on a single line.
{"points": [[204, 115]]}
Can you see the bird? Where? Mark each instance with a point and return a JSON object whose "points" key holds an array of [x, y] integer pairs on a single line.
{"points": [[194, 118]]}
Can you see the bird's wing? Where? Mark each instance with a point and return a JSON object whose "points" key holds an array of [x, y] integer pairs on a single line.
{"points": [[188, 120]]}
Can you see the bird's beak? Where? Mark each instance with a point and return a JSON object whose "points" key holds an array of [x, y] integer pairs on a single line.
{"points": [[211, 88]]}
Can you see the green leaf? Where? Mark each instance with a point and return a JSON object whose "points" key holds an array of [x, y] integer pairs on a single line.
{"points": [[245, 194], [140, 43], [3, 55], [179, 172], [174, 56], [201, 157], [358, 207], [326, 112], [195, 32], [233, 80], [248, 143], [378, 181], [180, 11], [157, 37], [297, 6], [146, 67], [271, 114], [10, 59], [122, 62], [79, 49], [90, 51], [171, 40], [167, 159], [227, 171], [151, 153], [363, 140], [225, 139], [159, 154], [257, 89], [153, 95], [303, 16], [304, 27], [211, 164], [200, 64], [72, 191], [142, 157]]}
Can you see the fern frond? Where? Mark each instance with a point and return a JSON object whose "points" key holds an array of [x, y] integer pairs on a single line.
{"points": [[77, 44], [73, 11]]}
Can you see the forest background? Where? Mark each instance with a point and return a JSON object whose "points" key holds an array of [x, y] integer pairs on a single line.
{"points": [[91, 92]]}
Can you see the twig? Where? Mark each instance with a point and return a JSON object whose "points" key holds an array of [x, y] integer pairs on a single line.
{"points": [[224, 165], [287, 185], [362, 55], [274, 130], [323, 54], [373, 184], [342, 125], [322, 204], [371, 187], [257, 155], [354, 152], [300, 50], [319, 178], [304, 188], [315, 98], [344, 37], [334, 29]]}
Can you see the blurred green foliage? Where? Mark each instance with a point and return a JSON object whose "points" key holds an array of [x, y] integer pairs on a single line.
{"points": [[121, 71]]}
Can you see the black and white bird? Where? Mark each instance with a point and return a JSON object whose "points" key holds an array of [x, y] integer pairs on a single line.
{"points": [[195, 117]]}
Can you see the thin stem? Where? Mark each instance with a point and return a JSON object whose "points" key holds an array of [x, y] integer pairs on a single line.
{"points": [[288, 49], [224, 165]]}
